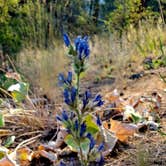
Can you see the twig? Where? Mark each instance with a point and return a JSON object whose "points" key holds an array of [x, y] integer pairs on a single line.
{"points": [[56, 133], [23, 143], [29, 133], [7, 93], [13, 66], [30, 101], [2, 70]]}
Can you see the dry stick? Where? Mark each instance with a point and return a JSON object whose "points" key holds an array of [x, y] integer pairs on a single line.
{"points": [[25, 142], [13, 66], [2, 70], [7, 93], [29, 133], [56, 133], [30, 101]]}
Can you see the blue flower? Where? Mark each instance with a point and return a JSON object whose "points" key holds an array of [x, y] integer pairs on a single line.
{"points": [[69, 77], [73, 94], [68, 130], [98, 121], [87, 51], [82, 47], [82, 129], [62, 164], [70, 96], [66, 97], [97, 98], [76, 125], [86, 98], [58, 118], [101, 161], [98, 101], [92, 141], [71, 116], [101, 147], [66, 40], [86, 38], [62, 80], [76, 42], [64, 115]]}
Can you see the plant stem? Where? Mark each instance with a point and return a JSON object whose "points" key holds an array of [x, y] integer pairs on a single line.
{"points": [[78, 83], [78, 88], [79, 117]]}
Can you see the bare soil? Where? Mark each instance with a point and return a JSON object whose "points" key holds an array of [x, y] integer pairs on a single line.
{"points": [[150, 148]]}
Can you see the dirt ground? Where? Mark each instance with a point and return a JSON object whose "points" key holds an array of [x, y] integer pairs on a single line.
{"points": [[146, 149], [150, 148]]}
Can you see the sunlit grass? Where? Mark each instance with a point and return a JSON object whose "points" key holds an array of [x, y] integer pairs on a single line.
{"points": [[110, 57], [41, 68]]}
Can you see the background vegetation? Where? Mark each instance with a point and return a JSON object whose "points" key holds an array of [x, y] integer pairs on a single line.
{"points": [[127, 38], [40, 22], [31, 34]]}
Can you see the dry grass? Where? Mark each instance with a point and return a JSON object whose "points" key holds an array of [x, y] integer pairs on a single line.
{"points": [[41, 68], [109, 57], [112, 54]]}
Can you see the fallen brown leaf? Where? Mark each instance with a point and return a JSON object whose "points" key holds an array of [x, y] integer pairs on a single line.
{"points": [[6, 162], [121, 130]]}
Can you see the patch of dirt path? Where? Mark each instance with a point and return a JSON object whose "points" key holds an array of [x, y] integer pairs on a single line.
{"points": [[150, 148]]}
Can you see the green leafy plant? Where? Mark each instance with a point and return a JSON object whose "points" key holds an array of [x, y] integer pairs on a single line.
{"points": [[19, 91], [82, 126]]}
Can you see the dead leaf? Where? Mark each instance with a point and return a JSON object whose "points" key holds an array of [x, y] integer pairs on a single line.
{"points": [[42, 153], [47, 148], [110, 141], [24, 156], [6, 162], [60, 138], [121, 130]]}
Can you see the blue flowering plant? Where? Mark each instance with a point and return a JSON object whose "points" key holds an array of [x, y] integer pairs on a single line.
{"points": [[78, 118]]}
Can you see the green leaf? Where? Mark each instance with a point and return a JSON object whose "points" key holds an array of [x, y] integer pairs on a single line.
{"points": [[21, 87], [130, 112], [71, 51], [3, 151], [91, 125], [135, 118], [18, 97], [70, 141], [1, 101], [19, 91], [9, 141], [85, 146], [2, 121], [8, 82]]}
